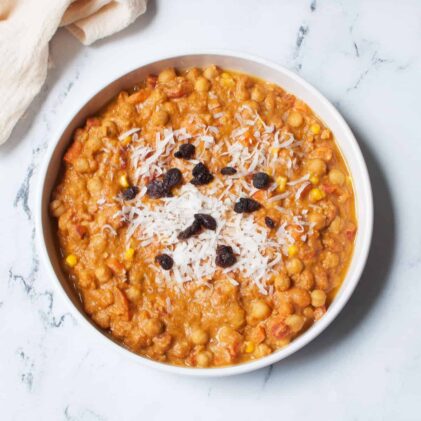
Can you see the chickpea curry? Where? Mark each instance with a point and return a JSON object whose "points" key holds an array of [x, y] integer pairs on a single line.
{"points": [[205, 217]]}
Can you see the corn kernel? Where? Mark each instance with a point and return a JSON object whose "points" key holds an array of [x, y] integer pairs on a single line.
{"points": [[292, 250], [316, 195], [315, 128], [274, 150], [282, 183], [249, 347], [123, 181], [314, 179], [128, 255], [71, 260]]}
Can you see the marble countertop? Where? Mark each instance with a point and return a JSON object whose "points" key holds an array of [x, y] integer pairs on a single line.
{"points": [[365, 56]]}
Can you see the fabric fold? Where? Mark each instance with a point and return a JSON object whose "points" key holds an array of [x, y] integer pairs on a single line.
{"points": [[27, 26]]}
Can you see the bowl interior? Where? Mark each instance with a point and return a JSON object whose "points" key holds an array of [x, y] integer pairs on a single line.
{"points": [[262, 69]]}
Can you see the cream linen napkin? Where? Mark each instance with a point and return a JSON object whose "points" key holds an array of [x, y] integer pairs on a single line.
{"points": [[26, 27]]}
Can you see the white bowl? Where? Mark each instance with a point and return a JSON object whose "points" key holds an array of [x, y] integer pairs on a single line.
{"points": [[235, 61]]}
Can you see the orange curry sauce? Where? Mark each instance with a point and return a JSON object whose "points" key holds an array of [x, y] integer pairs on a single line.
{"points": [[272, 244]]}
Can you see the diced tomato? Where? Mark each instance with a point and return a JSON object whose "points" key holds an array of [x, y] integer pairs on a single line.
{"points": [[279, 330], [139, 96], [179, 90], [73, 152], [350, 231], [81, 230], [329, 188], [92, 122], [115, 265], [121, 303], [151, 81]]}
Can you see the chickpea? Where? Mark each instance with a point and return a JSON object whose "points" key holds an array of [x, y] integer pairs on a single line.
{"points": [[270, 101], [180, 349], [319, 313], [300, 296], [262, 350], [136, 275], [295, 322], [294, 266], [202, 84], [284, 308], [336, 177], [98, 243], [318, 219], [157, 96], [228, 335], [308, 312], [211, 72], [94, 186], [242, 93], [282, 282], [257, 93], [203, 359], [81, 165], [162, 343], [134, 293], [199, 336], [170, 107], [318, 298], [57, 208], [295, 119], [322, 280], [331, 260], [193, 73], [316, 166], [236, 318], [336, 225], [305, 280], [94, 144], [86, 279], [260, 310], [153, 327], [167, 75], [160, 118], [103, 273]]}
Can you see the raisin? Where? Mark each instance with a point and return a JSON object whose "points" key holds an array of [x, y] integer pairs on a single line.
{"points": [[270, 223], [165, 261], [246, 205], [130, 193], [202, 179], [199, 168], [228, 171], [191, 230], [207, 221], [185, 151], [201, 175], [225, 257], [172, 178], [156, 189], [261, 180]]}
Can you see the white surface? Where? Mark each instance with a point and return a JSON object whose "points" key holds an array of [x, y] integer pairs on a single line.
{"points": [[365, 57]]}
